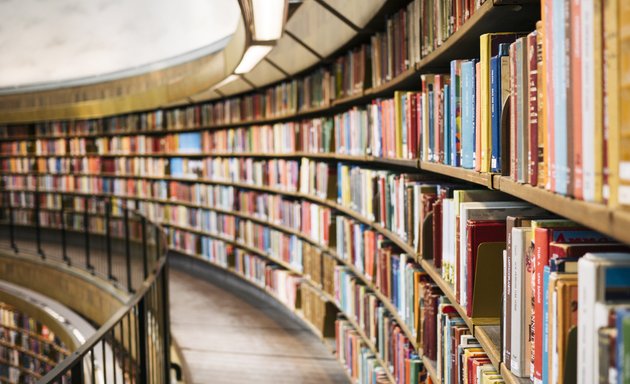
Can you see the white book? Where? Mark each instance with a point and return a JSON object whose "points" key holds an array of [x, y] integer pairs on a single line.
{"points": [[519, 358], [592, 270], [588, 98], [447, 238]]}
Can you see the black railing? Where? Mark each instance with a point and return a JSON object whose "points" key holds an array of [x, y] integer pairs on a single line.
{"points": [[114, 243]]}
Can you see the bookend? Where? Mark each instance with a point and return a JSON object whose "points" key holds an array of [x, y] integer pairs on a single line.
{"points": [[488, 284], [427, 238], [570, 358], [505, 138]]}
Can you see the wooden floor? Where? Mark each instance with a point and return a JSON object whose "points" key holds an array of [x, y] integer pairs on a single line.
{"points": [[229, 334]]}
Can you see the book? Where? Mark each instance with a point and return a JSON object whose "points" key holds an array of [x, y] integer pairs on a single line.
{"points": [[608, 273], [488, 47]]}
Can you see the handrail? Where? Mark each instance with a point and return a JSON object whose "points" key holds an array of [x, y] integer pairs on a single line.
{"points": [[69, 362], [134, 341]]}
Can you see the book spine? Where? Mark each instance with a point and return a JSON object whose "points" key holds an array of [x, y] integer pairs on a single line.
{"points": [[485, 112], [532, 154], [541, 244], [548, 58], [545, 328], [522, 109], [468, 108], [576, 98], [513, 114], [495, 108], [446, 139], [621, 137], [542, 109], [478, 127]]}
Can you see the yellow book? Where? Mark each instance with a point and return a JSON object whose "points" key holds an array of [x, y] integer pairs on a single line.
{"points": [[489, 46], [599, 102], [468, 353], [611, 61], [622, 140]]}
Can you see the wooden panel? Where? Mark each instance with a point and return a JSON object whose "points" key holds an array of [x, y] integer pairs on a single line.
{"points": [[264, 73], [291, 56], [359, 12], [319, 29]]}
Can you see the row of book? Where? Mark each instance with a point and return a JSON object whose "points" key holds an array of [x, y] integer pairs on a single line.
{"points": [[407, 38], [28, 348], [383, 128], [552, 132], [492, 233]]}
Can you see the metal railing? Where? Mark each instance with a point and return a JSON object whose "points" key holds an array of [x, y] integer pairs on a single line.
{"points": [[115, 243]]}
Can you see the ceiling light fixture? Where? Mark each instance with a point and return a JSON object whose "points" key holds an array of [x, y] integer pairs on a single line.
{"points": [[252, 56], [269, 18]]}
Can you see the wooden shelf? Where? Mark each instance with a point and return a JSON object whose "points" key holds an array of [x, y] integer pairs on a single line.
{"points": [[484, 179], [597, 216], [446, 288], [510, 378], [489, 336]]}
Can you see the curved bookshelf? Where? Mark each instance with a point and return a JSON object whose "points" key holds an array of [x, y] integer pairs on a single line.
{"points": [[492, 16]]}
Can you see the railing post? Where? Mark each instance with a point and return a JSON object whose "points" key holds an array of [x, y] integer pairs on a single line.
{"points": [[145, 262], [157, 243], [11, 224], [86, 233], [77, 373], [38, 229], [142, 357], [127, 250], [108, 239], [167, 324], [64, 246]]}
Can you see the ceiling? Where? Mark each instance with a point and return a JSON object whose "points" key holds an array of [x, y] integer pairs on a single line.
{"points": [[80, 42]]}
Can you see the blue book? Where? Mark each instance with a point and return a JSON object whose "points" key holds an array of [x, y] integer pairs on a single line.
{"points": [[189, 142], [447, 125], [468, 113], [545, 351], [455, 126], [496, 106], [394, 277], [177, 166], [559, 96]]}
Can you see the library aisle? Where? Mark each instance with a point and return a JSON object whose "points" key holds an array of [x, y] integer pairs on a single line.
{"points": [[228, 334]]}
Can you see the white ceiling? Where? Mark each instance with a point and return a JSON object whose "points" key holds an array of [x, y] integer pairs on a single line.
{"points": [[50, 41]]}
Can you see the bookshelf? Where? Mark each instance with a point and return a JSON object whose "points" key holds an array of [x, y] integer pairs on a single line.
{"points": [[240, 112], [29, 347]]}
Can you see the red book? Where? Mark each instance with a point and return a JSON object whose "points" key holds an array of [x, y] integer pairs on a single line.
{"points": [[542, 238], [479, 232], [430, 322], [473, 364], [456, 336]]}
